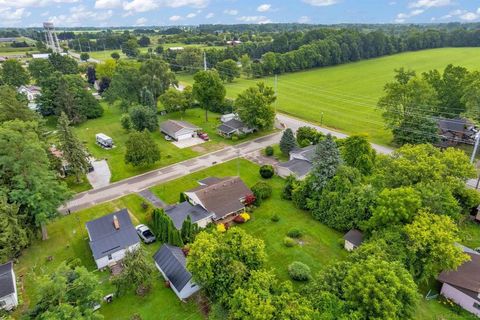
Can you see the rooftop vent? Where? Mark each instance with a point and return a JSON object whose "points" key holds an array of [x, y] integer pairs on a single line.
{"points": [[116, 223]]}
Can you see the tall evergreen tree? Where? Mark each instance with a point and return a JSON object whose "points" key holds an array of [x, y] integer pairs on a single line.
{"points": [[147, 99], [325, 164], [13, 235], [73, 150], [91, 75], [287, 142]]}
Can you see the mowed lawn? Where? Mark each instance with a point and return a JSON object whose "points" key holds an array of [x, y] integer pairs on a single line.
{"points": [[68, 240], [109, 124], [347, 95], [321, 246]]}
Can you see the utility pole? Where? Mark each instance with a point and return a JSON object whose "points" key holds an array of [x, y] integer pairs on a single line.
{"points": [[204, 60], [276, 92], [475, 148]]}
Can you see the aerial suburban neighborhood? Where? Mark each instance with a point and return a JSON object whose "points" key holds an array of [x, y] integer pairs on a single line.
{"points": [[230, 160]]}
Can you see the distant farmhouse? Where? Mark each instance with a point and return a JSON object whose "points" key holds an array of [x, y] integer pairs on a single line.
{"points": [[463, 285], [214, 200], [31, 92], [171, 263], [232, 125], [8, 287], [111, 236], [455, 131], [300, 163]]}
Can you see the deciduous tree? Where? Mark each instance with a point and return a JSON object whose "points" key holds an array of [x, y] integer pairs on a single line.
{"points": [[254, 107], [208, 90], [358, 153], [141, 149], [13, 73], [143, 118], [228, 70]]}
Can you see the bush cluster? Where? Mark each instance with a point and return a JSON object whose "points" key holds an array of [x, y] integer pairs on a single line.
{"points": [[266, 171], [299, 271]]}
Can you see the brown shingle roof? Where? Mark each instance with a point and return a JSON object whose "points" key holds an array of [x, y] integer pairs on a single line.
{"points": [[223, 197], [467, 276]]}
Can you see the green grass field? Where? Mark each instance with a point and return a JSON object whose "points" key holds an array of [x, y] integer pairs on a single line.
{"points": [[346, 95]]}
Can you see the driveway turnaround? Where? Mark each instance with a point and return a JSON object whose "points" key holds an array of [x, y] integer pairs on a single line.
{"points": [[100, 176]]}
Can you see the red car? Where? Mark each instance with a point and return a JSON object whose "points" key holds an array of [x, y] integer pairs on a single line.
{"points": [[203, 136]]}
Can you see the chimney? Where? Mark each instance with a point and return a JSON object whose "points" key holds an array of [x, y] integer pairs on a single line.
{"points": [[116, 223]]}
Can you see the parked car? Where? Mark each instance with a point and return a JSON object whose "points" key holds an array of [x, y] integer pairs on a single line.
{"points": [[145, 234], [168, 138], [203, 136]]}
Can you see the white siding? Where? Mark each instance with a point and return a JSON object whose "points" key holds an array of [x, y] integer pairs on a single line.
{"points": [[116, 256], [11, 302], [183, 136], [189, 289], [203, 223], [349, 246], [460, 298]]}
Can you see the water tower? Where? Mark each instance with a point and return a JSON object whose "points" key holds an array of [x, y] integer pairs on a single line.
{"points": [[51, 37]]}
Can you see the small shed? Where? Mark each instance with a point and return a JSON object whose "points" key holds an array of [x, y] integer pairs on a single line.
{"points": [[353, 239], [8, 287], [179, 130], [171, 263]]}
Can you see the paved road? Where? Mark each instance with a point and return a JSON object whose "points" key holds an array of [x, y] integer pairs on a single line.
{"points": [[248, 149], [144, 181]]}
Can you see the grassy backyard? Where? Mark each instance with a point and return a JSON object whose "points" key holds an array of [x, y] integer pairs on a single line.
{"points": [[68, 240], [345, 96]]}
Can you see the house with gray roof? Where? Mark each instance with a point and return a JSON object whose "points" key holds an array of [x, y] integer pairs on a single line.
{"points": [[353, 239], [220, 197], [179, 130], [111, 236], [179, 213], [463, 284], [300, 163], [8, 287], [171, 263], [233, 126]]}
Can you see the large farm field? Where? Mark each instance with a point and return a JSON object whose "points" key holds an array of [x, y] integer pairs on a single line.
{"points": [[344, 97]]}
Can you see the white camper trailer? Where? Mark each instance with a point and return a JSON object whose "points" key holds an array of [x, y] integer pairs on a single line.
{"points": [[104, 141]]}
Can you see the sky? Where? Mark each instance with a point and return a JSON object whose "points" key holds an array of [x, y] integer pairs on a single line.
{"points": [[103, 13]]}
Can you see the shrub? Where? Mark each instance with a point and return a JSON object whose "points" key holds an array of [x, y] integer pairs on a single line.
{"points": [[235, 138], [289, 242], [262, 191], [250, 200], [288, 188], [299, 271], [294, 233], [269, 151], [239, 219], [182, 197], [275, 218], [266, 171], [221, 228], [245, 216], [126, 122]]}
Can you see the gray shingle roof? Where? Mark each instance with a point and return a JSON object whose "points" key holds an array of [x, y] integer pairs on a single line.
{"points": [[105, 239], [179, 212], [231, 126], [354, 236], [223, 197], [212, 180], [171, 127], [297, 166], [7, 282], [173, 264], [307, 152]]}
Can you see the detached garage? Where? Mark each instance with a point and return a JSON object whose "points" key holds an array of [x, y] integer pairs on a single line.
{"points": [[179, 130]]}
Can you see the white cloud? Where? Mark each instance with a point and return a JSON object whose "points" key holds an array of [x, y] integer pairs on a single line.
{"points": [[321, 3], [10, 16], [254, 19], [5, 4], [402, 17], [191, 15], [175, 18], [210, 15], [141, 21], [429, 3], [44, 14], [264, 7], [304, 19], [231, 12], [108, 4], [148, 5], [78, 15], [463, 15]]}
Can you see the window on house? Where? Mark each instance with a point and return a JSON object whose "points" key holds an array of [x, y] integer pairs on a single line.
{"points": [[476, 305], [2, 303], [110, 257], [193, 285]]}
